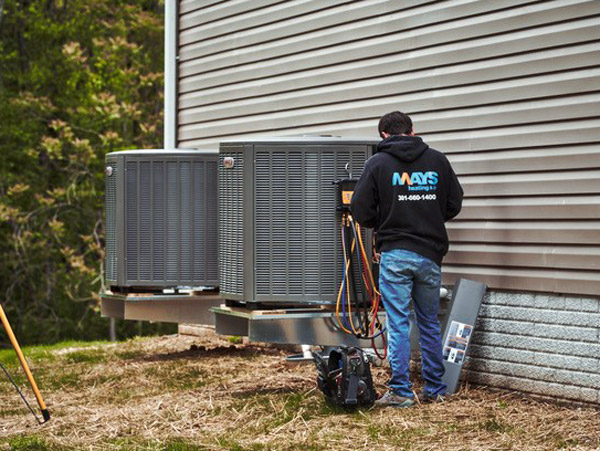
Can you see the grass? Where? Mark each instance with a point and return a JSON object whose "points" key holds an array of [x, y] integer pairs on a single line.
{"points": [[44, 353], [32, 443], [152, 445], [495, 425], [209, 393], [90, 356]]}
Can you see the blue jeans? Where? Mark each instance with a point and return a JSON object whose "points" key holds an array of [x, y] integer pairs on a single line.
{"points": [[402, 275]]}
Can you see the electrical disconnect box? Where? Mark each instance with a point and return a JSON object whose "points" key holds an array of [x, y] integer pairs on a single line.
{"points": [[279, 239], [161, 219]]}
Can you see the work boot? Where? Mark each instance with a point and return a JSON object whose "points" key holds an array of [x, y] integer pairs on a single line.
{"points": [[391, 399], [425, 398]]}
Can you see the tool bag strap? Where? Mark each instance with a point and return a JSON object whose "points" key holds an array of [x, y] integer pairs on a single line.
{"points": [[352, 390]]}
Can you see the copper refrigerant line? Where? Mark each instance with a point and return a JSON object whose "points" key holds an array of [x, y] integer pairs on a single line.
{"points": [[21, 357], [364, 322]]}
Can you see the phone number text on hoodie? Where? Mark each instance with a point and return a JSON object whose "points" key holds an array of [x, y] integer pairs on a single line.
{"points": [[412, 197]]}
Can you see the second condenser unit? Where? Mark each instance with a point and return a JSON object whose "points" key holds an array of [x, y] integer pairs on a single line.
{"points": [[279, 239], [161, 220]]}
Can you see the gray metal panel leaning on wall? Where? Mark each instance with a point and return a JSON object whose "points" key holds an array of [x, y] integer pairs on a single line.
{"points": [[507, 89]]}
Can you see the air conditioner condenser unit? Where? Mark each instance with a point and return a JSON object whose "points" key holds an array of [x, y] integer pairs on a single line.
{"points": [[279, 237], [160, 219]]}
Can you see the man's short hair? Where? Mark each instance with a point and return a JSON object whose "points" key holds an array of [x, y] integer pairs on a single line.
{"points": [[395, 123]]}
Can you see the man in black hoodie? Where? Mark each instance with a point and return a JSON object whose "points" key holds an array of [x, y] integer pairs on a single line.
{"points": [[406, 193]]}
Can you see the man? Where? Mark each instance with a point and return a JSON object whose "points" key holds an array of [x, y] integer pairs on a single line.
{"points": [[406, 193]]}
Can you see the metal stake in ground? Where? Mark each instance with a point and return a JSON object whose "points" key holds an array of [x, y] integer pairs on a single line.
{"points": [[17, 348]]}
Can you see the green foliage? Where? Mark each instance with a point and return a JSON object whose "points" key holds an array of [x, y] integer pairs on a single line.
{"points": [[235, 339], [78, 79]]}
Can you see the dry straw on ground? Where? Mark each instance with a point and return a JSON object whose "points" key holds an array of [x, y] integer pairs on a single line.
{"points": [[184, 393]]}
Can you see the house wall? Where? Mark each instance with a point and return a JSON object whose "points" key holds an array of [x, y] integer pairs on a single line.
{"points": [[507, 89], [547, 345]]}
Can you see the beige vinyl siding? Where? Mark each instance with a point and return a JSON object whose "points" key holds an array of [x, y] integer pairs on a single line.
{"points": [[509, 90]]}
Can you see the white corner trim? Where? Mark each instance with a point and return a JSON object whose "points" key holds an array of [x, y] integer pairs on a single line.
{"points": [[170, 91]]}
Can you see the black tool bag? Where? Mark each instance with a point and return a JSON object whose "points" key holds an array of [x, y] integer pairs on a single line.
{"points": [[345, 378]]}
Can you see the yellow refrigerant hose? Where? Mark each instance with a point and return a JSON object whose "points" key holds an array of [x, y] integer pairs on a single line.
{"points": [[344, 294]]}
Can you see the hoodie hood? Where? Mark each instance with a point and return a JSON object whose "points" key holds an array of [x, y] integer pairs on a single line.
{"points": [[405, 148]]}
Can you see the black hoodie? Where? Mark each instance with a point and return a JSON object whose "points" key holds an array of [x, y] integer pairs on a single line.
{"points": [[406, 192]]}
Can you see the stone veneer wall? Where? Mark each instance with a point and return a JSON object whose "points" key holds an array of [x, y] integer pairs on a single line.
{"points": [[548, 345]]}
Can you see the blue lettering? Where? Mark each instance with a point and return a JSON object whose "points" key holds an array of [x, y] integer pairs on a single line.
{"points": [[416, 178], [432, 177]]}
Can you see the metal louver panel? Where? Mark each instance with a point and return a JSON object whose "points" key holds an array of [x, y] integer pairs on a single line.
{"points": [[185, 221], [231, 243], [172, 208], [132, 225], [145, 225], [298, 245], [158, 220], [110, 256], [211, 222], [204, 220], [166, 231], [198, 211]]}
